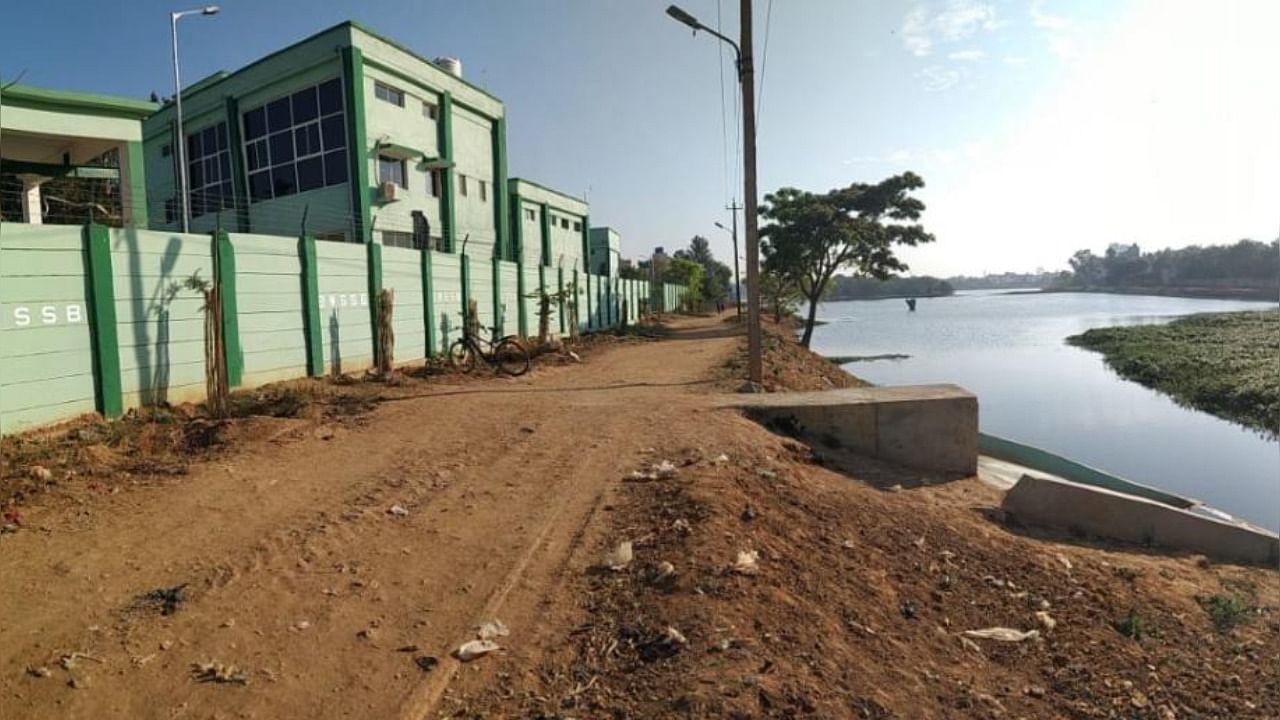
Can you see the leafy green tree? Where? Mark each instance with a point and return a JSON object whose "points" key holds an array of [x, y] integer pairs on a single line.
{"points": [[683, 271], [811, 236], [715, 274], [779, 294]]}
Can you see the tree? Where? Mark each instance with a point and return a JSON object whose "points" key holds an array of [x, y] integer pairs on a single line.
{"points": [[715, 274], [810, 236], [683, 271], [780, 294]]}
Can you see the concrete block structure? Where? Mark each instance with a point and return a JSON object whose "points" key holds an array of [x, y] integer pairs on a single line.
{"points": [[933, 428], [52, 134]]}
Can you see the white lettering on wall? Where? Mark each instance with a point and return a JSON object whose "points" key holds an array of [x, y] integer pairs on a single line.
{"points": [[41, 315]]}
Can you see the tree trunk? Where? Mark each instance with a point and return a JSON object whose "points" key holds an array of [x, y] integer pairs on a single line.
{"points": [[809, 320]]}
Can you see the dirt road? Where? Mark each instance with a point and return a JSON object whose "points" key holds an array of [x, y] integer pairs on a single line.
{"points": [[295, 571]]}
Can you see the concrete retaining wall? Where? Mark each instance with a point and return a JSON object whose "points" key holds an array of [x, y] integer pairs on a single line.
{"points": [[926, 427], [1100, 513]]}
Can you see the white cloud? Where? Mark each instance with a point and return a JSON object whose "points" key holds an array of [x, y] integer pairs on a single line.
{"points": [[1045, 20], [938, 78], [923, 27], [1013, 60], [966, 55]]}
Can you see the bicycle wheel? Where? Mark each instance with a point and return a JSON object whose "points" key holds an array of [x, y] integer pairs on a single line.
{"points": [[461, 357], [511, 357]]}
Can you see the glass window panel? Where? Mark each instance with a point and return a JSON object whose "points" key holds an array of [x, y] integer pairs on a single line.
{"points": [[330, 96], [334, 131], [193, 146], [224, 165], [222, 136], [195, 174], [305, 105], [209, 139], [310, 173], [260, 185], [278, 116], [307, 139], [283, 181], [228, 195], [255, 124], [391, 170], [335, 167], [281, 148]]}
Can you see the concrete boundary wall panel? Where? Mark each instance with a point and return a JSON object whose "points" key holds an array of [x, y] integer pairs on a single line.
{"points": [[341, 270], [269, 300], [481, 290], [532, 302], [46, 360], [402, 272], [446, 286], [509, 273], [160, 322]]}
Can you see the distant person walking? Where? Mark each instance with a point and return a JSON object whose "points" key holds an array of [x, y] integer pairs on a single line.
{"points": [[911, 304]]}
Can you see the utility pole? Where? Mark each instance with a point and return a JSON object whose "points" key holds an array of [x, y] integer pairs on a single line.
{"points": [[733, 208], [746, 74]]}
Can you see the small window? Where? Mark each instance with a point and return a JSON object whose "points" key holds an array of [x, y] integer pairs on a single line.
{"points": [[564, 223], [577, 227], [391, 170], [331, 236], [395, 96], [429, 110], [433, 183], [462, 185], [484, 191], [529, 214], [166, 150], [397, 238]]}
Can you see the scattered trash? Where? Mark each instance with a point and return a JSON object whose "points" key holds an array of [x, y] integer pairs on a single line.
{"points": [[41, 473], [1063, 559], [848, 545], [301, 625], [767, 474], [397, 510], [229, 623], [367, 634], [722, 646], [473, 649], [1034, 691], [637, 476], [1046, 620], [619, 558], [674, 636], [39, 671], [575, 356], [1003, 634], [722, 459], [167, 598], [491, 630], [426, 662], [665, 570], [749, 513], [68, 661], [79, 683], [968, 644], [408, 648], [680, 525], [323, 433], [908, 609], [664, 470], [747, 564], [919, 543], [141, 660], [218, 673]]}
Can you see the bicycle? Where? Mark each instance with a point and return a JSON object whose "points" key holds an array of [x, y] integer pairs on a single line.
{"points": [[505, 355]]}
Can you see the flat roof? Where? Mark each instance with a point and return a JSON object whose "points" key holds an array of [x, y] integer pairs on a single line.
{"points": [[77, 102]]}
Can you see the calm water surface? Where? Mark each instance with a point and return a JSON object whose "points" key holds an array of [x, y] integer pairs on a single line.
{"points": [[1034, 388]]}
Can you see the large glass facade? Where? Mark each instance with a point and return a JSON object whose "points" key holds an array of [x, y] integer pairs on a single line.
{"points": [[209, 170], [296, 143]]}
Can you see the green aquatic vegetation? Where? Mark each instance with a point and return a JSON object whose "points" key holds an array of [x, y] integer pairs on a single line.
{"points": [[1227, 364]]}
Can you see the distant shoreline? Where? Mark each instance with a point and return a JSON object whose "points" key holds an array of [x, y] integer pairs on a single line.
{"points": [[1250, 294]]}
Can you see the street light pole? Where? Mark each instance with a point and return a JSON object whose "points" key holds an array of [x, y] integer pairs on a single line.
{"points": [[746, 79], [737, 281], [181, 141]]}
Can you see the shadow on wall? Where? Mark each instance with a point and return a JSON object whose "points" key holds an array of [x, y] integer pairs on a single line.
{"points": [[444, 333], [152, 358], [335, 351]]}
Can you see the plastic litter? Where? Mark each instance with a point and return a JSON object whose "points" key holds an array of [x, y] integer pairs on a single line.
{"points": [[397, 510], [664, 470], [665, 570], [1003, 634], [491, 630], [1046, 620], [619, 558], [722, 459], [473, 649], [213, 672], [747, 562]]}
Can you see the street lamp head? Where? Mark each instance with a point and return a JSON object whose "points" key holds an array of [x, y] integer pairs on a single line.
{"points": [[683, 17], [722, 227], [210, 10]]}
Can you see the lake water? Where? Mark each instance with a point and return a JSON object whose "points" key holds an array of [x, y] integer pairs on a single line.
{"points": [[1034, 388]]}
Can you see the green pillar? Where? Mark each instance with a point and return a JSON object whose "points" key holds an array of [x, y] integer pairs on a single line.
{"points": [[357, 144], [546, 235], [499, 319], [560, 285], [428, 302], [444, 140], [240, 204], [577, 305], [373, 254], [517, 245], [542, 290], [224, 256], [104, 339], [312, 330], [501, 218], [137, 191], [464, 264]]}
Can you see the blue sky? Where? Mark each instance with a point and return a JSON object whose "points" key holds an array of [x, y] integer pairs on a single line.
{"points": [[1040, 127]]}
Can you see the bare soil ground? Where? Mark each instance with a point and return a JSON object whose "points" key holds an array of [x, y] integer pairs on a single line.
{"points": [[303, 595]]}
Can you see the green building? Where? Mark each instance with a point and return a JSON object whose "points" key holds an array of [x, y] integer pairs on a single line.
{"points": [[606, 251], [348, 135], [67, 155]]}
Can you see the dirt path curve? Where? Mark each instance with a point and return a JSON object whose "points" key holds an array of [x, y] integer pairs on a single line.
{"points": [[297, 574]]}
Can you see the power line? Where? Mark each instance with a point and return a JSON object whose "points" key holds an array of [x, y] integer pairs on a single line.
{"points": [[724, 129], [764, 60]]}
